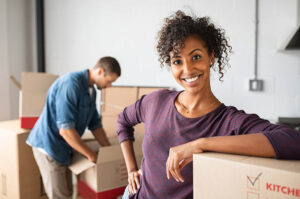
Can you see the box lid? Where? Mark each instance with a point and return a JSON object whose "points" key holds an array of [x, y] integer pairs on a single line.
{"points": [[12, 126], [29, 81], [79, 164], [105, 154], [284, 165]]}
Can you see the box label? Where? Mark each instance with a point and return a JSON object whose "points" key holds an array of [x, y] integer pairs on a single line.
{"points": [[283, 189]]}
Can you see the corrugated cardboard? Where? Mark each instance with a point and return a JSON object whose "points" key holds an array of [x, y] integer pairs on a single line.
{"points": [[228, 176], [115, 99], [34, 87], [19, 174], [110, 125], [146, 90], [108, 177]]}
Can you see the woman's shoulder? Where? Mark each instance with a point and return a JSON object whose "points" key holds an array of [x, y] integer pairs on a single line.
{"points": [[238, 114], [159, 98]]}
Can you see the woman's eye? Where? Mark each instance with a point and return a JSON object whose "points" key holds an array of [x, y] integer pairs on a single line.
{"points": [[176, 62], [196, 57]]}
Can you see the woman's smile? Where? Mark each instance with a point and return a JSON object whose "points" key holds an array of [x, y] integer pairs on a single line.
{"points": [[191, 66], [192, 80]]}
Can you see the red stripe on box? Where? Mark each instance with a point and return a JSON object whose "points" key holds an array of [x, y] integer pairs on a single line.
{"points": [[28, 122], [88, 193]]}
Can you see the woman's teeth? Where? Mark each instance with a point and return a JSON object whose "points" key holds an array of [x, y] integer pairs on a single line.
{"points": [[191, 79]]}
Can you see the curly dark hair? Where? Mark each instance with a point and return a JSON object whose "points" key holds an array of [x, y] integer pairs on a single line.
{"points": [[179, 26]]}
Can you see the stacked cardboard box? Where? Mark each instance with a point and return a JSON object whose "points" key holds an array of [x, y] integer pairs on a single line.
{"points": [[19, 174], [228, 176], [115, 99]]}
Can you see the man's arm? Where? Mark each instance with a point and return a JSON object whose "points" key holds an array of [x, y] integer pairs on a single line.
{"points": [[74, 140], [101, 137]]}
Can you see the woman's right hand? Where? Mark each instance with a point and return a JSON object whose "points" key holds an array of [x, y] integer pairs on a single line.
{"points": [[134, 181]]}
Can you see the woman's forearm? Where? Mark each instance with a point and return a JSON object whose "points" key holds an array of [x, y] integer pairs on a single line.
{"points": [[250, 144], [129, 156]]}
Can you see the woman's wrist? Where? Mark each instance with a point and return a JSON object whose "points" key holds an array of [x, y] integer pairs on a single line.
{"points": [[199, 145], [132, 169]]}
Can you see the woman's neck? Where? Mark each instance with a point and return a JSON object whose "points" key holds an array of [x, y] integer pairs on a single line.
{"points": [[196, 104]]}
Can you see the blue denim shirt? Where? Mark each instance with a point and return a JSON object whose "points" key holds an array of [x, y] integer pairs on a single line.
{"points": [[68, 105]]}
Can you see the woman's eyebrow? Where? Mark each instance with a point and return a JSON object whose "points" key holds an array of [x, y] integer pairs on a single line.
{"points": [[194, 51], [176, 56]]}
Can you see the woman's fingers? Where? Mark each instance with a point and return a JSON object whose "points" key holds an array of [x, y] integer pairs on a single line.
{"points": [[134, 181], [133, 184], [172, 166], [179, 157], [167, 169], [177, 169], [130, 188], [137, 180], [140, 172], [184, 162]]}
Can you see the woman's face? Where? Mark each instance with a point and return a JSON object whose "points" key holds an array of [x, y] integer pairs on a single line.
{"points": [[191, 67]]}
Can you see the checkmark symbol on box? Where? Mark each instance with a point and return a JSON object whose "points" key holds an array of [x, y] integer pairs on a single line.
{"points": [[253, 182]]}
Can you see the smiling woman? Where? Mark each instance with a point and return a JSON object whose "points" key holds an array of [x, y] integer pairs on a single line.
{"points": [[191, 69], [180, 124], [177, 28]]}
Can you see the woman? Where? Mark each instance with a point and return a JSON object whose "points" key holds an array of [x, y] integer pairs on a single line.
{"points": [[179, 124]]}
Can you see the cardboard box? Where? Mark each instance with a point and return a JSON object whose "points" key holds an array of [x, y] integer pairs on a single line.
{"points": [[228, 176], [107, 178], [110, 125], [115, 99], [146, 90], [19, 174], [34, 88]]}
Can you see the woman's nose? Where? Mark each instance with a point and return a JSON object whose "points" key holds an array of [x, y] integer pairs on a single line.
{"points": [[187, 67]]}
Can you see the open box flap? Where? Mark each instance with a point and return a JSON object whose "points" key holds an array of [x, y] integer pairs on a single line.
{"points": [[80, 164], [37, 82]]}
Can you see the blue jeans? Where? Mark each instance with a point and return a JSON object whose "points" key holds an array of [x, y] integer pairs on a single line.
{"points": [[126, 193]]}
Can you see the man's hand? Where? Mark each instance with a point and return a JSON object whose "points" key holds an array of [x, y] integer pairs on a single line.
{"points": [[134, 180], [73, 139], [92, 157], [101, 137]]}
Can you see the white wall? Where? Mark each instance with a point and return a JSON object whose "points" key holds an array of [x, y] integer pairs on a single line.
{"points": [[79, 32], [4, 88], [17, 51]]}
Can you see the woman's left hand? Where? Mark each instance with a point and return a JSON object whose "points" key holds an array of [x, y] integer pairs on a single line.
{"points": [[179, 157]]}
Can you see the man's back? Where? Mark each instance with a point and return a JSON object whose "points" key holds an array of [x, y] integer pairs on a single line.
{"points": [[68, 105]]}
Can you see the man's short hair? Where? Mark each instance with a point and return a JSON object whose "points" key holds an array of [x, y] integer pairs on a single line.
{"points": [[110, 65]]}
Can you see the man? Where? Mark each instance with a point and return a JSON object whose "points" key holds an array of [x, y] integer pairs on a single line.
{"points": [[70, 108]]}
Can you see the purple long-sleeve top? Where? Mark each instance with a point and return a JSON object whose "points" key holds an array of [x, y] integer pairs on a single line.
{"points": [[165, 127]]}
